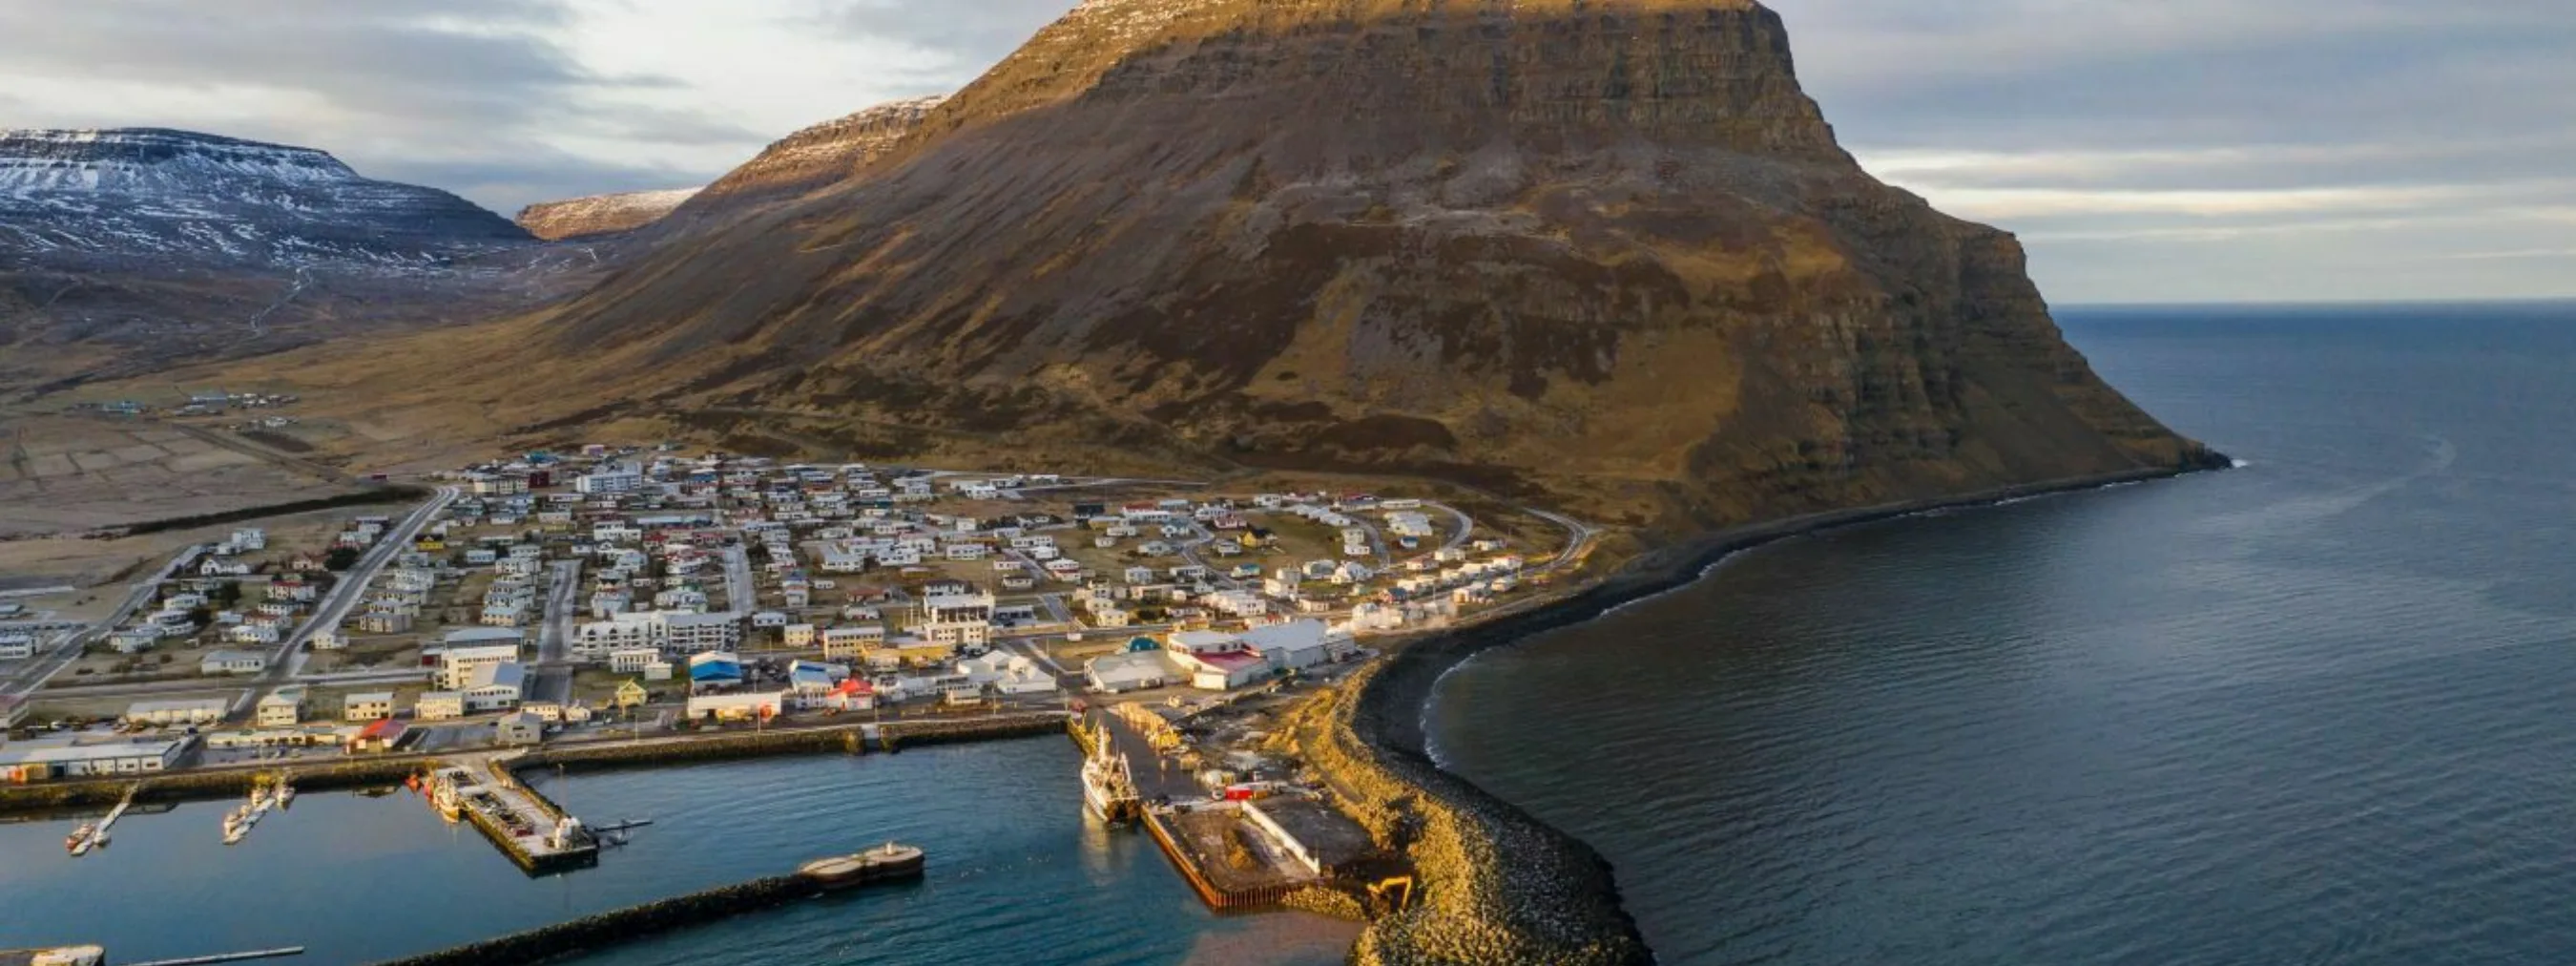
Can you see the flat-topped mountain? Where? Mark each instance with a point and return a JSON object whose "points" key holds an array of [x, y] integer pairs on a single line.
{"points": [[599, 215], [1605, 248], [160, 194], [123, 251]]}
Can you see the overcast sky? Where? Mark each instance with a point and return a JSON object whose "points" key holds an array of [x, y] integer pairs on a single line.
{"points": [[2183, 150]]}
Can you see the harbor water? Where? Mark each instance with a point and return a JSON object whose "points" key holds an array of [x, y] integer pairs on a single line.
{"points": [[1013, 867], [2317, 710]]}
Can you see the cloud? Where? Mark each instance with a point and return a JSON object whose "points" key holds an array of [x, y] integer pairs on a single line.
{"points": [[2185, 149], [2205, 150], [981, 32]]}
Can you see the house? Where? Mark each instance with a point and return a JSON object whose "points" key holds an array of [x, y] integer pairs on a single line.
{"points": [[280, 708], [523, 728], [957, 618], [631, 694], [367, 706], [197, 711], [232, 662], [457, 664], [380, 735], [17, 646], [328, 640], [439, 706], [633, 660], [672, 633], [135, 640], [851, 642], [493, 687]]}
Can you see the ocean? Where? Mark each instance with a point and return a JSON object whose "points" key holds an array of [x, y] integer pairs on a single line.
{"points": [[1016, 873], [2318, 709]]}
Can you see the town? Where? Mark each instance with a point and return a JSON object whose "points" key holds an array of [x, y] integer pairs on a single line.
{"points": [[621, 595]]}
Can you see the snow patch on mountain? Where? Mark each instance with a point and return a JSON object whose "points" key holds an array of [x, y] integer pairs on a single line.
{"points": [[166, 195]]}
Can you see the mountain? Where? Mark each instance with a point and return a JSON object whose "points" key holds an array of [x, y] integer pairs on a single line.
{"points": [[599, 215], [1602, 250], [125, 251], [815, 157], [159, 194]]}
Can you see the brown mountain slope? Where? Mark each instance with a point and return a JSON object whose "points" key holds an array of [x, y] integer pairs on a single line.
{"points": [[812, 158], [1603, 251]]}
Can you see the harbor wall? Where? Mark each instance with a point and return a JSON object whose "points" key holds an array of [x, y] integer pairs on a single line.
{"points": [[622, 925], [836, 739], [192, 784], [329, 774]]}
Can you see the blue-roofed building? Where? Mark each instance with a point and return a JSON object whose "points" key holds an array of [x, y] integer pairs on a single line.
{"points": [[715, 669]]}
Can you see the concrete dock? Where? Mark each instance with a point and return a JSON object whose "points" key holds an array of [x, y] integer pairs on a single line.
{"points": [[526, 826]]}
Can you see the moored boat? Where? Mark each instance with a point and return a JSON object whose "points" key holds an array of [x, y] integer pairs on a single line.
{"points": [[1108, 790], [79, 840], [892, 860]]}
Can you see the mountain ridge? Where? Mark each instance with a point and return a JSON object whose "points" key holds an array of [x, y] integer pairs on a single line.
{"points": [[596, 216]]}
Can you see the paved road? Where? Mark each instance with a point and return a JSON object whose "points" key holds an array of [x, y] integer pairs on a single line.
{"points": [[287, 660], [1466, 525], [741, 595], [37, 671], [554, 638]]}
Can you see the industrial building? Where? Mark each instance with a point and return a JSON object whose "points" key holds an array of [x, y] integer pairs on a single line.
{"points": [[87, 757]]}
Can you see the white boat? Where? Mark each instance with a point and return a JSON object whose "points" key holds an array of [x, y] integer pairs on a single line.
{"points": [[78, 842], [1107, 788], [285, 793]]}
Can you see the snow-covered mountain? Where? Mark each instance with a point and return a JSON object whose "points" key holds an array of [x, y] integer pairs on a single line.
{"points": [[599, 215], [166, 196]]}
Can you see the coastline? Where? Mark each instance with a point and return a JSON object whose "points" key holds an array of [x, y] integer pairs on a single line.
{"points": [[1502, 886]]}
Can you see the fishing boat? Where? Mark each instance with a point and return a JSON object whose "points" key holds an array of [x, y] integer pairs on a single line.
{"points": [[1108, 790], [79, 840], [285, 793], [889, 861]]}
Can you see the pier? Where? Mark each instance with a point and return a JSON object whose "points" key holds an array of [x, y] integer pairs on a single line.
{"points": [[529, 829], [889, 863], [1233, 856]]}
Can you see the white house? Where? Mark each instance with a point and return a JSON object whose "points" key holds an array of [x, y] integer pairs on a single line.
{"points": [[439, 706], [233, 662], [494, 687], [367, 706]]}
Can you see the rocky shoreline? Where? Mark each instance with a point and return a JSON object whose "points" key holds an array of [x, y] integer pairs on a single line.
{"points": [[1498, 885]]}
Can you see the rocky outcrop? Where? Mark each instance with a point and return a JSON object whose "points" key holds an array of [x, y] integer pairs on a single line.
{"points": [[1605, 253], [600, 215], [809, 160]]}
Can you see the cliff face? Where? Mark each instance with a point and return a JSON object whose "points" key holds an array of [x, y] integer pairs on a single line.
{"points": [[1600, 252], [599, 215], [813, 158]]}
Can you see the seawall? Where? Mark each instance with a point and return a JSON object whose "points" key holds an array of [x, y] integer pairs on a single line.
{"points": [[1499, 887], [329, 774], [622, 925]]}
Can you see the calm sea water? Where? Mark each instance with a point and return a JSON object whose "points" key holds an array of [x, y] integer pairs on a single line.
{"points": [[2320, 710], [1016, 874]]}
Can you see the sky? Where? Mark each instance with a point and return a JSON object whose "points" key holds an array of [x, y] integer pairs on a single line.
{"points": [[2175, 151]]}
